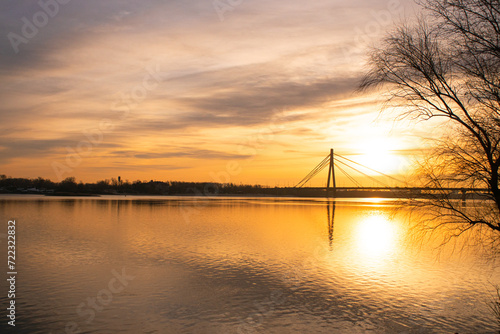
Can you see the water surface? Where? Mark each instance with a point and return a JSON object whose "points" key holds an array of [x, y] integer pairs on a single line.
{"points": [[236, 265]]}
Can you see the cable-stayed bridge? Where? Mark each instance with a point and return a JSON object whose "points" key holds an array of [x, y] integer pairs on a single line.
{"points": [[336, 162]]}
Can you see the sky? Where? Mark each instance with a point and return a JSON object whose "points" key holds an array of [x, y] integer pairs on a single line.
{"points": [[242, 91]]}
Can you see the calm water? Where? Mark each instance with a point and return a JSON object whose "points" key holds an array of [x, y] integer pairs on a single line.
{"points": [[186, 265]]}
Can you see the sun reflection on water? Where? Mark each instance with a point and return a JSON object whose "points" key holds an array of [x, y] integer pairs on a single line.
{"points": [[376, 237], [348, 260]]}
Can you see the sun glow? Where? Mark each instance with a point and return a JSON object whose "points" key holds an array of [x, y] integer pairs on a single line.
{"points": [[376, 236], [378, 154]]}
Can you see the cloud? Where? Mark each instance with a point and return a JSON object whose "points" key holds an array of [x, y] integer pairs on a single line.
{"points": [[248, 104], [236, 96], [179, 152], [267, 63], [139, 167], [36, 148], [10, 149]]}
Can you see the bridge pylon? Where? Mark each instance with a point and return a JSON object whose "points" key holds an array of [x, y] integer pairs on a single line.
{"points": [[331, 177]]}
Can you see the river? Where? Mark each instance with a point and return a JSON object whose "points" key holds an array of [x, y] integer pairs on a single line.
{"points": [[116, 264]]}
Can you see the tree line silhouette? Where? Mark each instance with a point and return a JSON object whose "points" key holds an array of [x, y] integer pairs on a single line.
{"points": [[70, 186]]}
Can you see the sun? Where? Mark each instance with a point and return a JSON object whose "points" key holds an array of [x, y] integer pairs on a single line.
{"points": [[378, 154]]}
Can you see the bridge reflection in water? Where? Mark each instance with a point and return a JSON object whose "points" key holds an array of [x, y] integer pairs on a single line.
{"points": [[330, 212], [231, 259], [371, 234]]}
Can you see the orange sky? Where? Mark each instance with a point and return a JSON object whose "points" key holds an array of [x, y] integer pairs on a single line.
{"points": [[253, 92]]}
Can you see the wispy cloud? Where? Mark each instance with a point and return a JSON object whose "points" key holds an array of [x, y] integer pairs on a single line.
{"points": [[266, 63]]}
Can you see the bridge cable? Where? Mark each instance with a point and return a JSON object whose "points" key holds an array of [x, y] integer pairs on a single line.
{"points": [[311, 173], [366, 175], [348, 176], [304, 182], [373, 170], [315, 171]]}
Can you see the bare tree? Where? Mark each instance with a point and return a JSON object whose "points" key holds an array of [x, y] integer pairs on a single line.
{"points": [[447, 65]]}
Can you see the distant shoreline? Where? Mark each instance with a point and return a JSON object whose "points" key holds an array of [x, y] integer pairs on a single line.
{"points": [[339, 195], [69, 187]]}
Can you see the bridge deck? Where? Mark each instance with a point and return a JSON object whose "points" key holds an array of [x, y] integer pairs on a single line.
{"points": [[394, 189]]}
